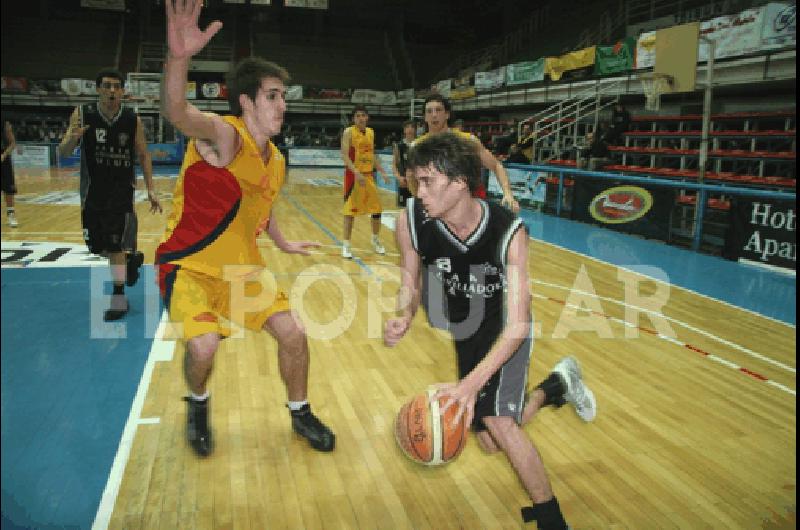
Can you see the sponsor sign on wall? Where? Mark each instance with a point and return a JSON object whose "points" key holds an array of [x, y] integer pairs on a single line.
{"points": [[28, 156], [763, 231], [632, 209]]}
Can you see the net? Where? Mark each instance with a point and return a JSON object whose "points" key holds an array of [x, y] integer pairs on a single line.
{"points": [[653, 85]]}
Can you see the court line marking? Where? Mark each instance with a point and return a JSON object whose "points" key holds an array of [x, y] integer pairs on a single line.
{"points": [[109, 497], [706, 334], [729, 304], [325, 230], [720, 360]]}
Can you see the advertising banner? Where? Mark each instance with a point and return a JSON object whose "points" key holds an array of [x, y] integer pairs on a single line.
{"points": [[491, 79], [734, 35], [763, 231], [646, 50], [556, 66], [375, 97], [779, 25], [525, 72], [28, 156], [615, 59], [627, 208]]}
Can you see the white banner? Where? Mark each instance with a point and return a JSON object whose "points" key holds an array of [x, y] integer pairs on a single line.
{"points": [[376, 97], [443, 87], [779, 27], [315, 157], [28, 156], [294, 92], [734, 34], [405, 96], [491, 79], [528, 186], [646, 50], [299, 156]]}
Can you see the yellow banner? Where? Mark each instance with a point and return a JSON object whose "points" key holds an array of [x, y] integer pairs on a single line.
{"points": [[556, 66], [462, 93]]}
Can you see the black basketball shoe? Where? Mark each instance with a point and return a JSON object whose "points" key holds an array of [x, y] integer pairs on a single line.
{"points": [[309, 427], [135, 261], [197, 429]]}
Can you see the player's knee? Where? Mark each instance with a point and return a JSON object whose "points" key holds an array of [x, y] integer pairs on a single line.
{"points": [[202, 348], [293, 338], [501, 427]]}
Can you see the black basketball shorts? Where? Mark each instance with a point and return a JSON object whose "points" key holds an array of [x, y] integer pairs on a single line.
{"points": [[504, 392], [109, 231], [7, 182]]}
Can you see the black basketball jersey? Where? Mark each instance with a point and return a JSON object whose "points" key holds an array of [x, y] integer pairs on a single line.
{"points": [[465, 281], [108, 172]]}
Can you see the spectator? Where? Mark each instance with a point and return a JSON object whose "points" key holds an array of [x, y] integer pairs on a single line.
{"points": [[620, 123], [503, 143], [516, 156], [596, 152], [525, 141]]}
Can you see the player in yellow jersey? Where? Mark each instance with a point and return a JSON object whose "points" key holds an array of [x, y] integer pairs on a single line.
{"points": [[360, 191], [437, 114], [208, 258]]}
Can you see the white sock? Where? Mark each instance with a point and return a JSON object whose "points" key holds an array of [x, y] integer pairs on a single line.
{"points": [[195, 397], [375, 238], [296, 405], [346, 243]]}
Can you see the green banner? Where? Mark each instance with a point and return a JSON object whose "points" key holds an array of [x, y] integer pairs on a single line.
{"points": [[617, 58], [525, 72]]}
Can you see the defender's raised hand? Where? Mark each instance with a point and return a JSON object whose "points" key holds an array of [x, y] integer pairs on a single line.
{"points": [[184, 37]]}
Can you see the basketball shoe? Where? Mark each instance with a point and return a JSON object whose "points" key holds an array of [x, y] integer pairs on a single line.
{"points": [[577, 393], [346, 252], [197, 429], [309, 427], [376, 245]]}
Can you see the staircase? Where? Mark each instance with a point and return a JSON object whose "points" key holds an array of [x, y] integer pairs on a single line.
{"points": [[559, 128]]}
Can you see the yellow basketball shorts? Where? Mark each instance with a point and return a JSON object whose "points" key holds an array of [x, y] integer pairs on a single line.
{"points": [[360, 199], [200, 304]]}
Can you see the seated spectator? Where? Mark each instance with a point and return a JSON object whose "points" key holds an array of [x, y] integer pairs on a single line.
{"points": [[502, 144], [596, 151], [525, 141], [620, 123], [516, 156]]}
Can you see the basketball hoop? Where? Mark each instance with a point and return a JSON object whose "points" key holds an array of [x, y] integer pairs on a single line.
{"points": [[653, 85]]}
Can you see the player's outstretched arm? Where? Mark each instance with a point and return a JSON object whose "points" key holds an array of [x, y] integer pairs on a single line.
{"points": [[184, 40]]}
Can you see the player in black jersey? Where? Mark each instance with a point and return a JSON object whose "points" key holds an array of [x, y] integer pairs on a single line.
{"points": [[110, 134], [472, 254], [7, 183], [399, 159]]}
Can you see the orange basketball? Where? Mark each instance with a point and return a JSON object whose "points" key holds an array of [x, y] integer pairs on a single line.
{"points": [[427, 437]]}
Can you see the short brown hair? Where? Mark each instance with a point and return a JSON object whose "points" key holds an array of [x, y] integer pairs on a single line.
{"points": [[246, 77]]}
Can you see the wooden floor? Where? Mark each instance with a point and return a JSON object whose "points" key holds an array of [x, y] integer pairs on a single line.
{"points": [[683, 439]]}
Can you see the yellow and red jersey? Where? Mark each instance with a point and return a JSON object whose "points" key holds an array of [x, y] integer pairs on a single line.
{"points": [[218, 211]]}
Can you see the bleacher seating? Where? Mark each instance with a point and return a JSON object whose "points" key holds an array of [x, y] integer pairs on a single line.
{"points": [[29, 44]]}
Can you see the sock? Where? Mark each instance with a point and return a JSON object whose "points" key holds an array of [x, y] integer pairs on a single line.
{"points": [[119, 288], [294, 406], [375, 238], [553, 388], [10, 210], [195, 397], [547, 515]]}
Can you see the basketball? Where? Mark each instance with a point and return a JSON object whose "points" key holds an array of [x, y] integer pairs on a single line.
{"points": [[427, 437]]}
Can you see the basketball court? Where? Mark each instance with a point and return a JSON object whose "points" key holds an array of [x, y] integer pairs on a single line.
{"points": [[692, 360]]}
